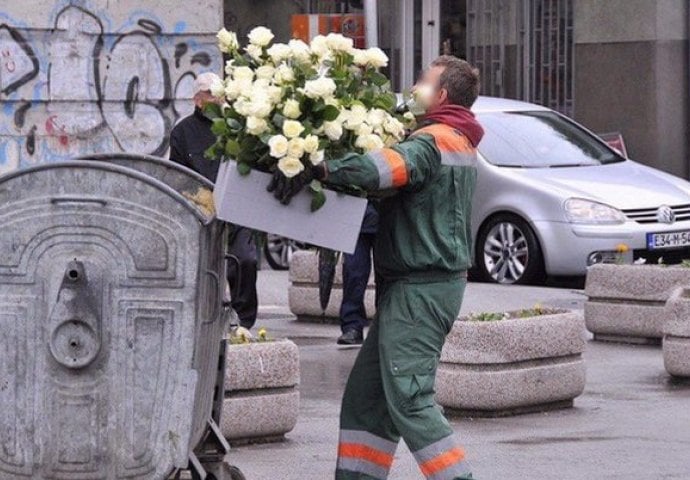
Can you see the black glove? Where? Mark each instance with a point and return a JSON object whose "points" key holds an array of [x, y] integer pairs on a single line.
{"points": [[284, 188]]}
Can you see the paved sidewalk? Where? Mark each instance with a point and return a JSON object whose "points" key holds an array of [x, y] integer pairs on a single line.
{"points": [[632, 422]]}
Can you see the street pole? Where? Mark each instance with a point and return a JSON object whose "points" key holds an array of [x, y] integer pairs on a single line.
{"points": [[371, 23]]}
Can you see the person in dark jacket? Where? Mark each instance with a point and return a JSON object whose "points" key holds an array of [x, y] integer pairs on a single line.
{"points": [[189, 140], [356, 272]]}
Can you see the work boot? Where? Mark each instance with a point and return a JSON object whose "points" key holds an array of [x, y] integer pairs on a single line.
{"points": [[351, 337]]}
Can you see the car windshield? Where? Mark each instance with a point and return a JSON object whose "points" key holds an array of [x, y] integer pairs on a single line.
{"points": [[540, 140]]}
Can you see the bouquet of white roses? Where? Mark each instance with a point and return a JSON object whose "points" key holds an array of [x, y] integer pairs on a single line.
{"points": [[291, 106]]}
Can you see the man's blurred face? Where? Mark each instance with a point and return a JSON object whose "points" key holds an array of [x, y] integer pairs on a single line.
{"points": [[204, 98], [427, 91]]}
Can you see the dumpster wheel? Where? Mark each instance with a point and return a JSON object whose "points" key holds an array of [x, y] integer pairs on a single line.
{"points": [[221, 471]]}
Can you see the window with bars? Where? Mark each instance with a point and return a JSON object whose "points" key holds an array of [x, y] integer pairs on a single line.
{"points": [[524, 50]]}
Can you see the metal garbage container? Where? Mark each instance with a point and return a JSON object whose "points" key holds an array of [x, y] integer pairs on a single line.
{"points": [[111, 288]]}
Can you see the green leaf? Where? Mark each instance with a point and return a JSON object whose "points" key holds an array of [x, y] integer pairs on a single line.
{"points": [[219, 127], [212, 152], [278, 120], [318, 107], [378, 79], [234, 124], [244, 169], [232, 148], [213, 111], [330, 113], [318, 200]]}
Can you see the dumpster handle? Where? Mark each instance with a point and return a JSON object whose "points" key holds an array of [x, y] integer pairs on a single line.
{"points": [[58, 200]]}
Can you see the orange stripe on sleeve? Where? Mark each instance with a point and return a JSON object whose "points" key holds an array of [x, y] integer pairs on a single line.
{"points": [[397, 165], [442, 461], [364, 452]]}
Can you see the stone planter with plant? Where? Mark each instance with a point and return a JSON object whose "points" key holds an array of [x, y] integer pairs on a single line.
{"points": [[676, 343], [261, 388], [496, 364], [626, 303]]}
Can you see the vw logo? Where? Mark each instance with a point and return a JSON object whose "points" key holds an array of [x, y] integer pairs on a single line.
{"points": [[665, 214]]}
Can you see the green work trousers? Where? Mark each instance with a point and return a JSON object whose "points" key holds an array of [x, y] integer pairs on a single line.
{"points": [[390, 391]]}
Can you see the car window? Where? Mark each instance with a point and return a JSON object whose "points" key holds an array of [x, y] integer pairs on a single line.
{"points": [[538, 140]]}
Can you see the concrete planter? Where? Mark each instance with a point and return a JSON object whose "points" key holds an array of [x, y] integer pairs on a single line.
{"points": [[676, 344], [512, 366], [261, 391], [627, 302], [304, 290]]}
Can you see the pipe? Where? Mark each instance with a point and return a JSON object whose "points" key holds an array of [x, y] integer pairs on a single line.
{"points": [[371, 23]]}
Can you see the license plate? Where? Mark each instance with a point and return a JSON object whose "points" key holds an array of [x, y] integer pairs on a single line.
{"points": [[658, 241]]}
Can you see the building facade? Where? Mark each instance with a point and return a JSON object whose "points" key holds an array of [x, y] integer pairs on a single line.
{"points": [[617, 66]]}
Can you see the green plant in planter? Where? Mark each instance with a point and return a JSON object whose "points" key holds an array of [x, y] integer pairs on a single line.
{"points": [[242, 336], [536, 311]]}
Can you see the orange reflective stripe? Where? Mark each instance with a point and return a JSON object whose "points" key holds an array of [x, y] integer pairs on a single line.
{"points": [[396, 163], [447, 138], [364, 452], [442, 461]]}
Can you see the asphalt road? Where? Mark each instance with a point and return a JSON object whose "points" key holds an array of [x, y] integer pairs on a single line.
{"points": [[632, 422]]}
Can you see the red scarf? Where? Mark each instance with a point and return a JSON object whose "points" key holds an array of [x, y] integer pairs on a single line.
{"points": [[460, 118]]}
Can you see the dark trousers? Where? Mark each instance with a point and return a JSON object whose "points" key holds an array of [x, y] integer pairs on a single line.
{"points": [[356, 271], [242, 276]]}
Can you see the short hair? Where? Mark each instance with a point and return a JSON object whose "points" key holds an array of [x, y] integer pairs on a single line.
{"points": [[460, 79]]}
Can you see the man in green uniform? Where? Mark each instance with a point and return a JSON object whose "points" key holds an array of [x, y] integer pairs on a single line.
{"points": [[423, 251]]}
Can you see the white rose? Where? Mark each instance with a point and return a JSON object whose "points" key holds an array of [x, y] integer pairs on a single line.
{"points": [[376, 117], [322, 87], [311, 143], [291, 109], [217, 87], [332, 101], [284, 74], [318, 131], [243, 74], [279, 52], [369, 142], [265, 72], [278, 145], [260, 36], [296, 147], [241, 106], [233, 89], [275, 94], [292, 128], [409, 118], [394, 126], [316, 157], [319, 46], [227, 41], [339, 43], [364, 129], [256, 126], [299, 51], [254, 51], [333, 130], [355, 117], [290, 166], [373, 57]]}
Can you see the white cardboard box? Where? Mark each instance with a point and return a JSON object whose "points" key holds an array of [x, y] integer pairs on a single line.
{"points": [[244, 201]]}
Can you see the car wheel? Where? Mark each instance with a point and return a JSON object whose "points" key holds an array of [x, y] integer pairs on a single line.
{"points": [[508, 252], [278, 251]]}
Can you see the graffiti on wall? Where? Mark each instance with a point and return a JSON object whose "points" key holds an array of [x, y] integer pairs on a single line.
{"points": [[84, 87]]}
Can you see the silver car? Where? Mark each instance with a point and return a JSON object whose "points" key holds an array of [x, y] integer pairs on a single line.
{"points": [[552, 198]]}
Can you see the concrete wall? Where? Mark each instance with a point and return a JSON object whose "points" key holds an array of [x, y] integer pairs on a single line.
{"points": [[632, 74], [83, 76]]}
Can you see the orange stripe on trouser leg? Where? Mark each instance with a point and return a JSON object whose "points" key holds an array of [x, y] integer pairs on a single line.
{"points": [[397, 165], [363, 452], [443, 461]]}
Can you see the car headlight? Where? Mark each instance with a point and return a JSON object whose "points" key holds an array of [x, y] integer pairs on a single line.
{"points": [[579, 210]]}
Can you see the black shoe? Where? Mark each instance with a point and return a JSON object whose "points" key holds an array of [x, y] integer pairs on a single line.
{"points": [[351, 337]]}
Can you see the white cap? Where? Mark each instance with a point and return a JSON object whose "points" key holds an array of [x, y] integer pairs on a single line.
{"points": [[203, 82]]}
